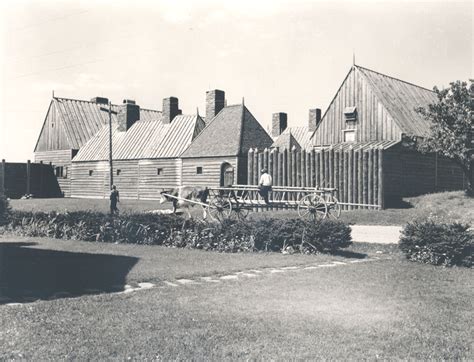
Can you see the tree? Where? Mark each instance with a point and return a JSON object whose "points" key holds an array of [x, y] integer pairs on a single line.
{"points": [[452, 127]]}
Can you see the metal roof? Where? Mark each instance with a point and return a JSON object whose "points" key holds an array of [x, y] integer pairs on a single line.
{"points": [[287, 139], [145, 139], [83, 119], [356, 146], [400, 98]]}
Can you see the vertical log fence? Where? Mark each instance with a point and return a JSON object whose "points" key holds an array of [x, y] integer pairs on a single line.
{"points": [[356, 173]]}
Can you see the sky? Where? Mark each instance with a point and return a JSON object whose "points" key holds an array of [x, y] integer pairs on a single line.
{"points": [[279, 55]]}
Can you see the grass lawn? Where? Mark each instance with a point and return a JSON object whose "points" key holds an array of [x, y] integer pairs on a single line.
{"points": [[447, 205], [387, 309]]}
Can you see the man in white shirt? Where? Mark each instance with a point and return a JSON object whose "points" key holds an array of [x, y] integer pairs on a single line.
{"points": [[265, 185]]}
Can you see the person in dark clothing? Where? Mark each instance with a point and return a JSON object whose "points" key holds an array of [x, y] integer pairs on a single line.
{"points": [[114, 198]]}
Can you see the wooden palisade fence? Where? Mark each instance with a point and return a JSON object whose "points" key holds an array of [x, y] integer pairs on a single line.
{"points": [[357, 174]]}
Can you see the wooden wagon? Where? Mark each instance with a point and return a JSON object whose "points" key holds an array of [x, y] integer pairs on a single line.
{"points": [[237, 201]]}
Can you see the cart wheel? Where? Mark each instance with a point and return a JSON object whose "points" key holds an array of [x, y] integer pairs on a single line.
{"points": [[312, 206], [239, 212], [220, 208], [334, 208]]}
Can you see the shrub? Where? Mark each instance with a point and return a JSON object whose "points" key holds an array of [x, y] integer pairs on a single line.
{"points": [[5, 210], [175, 231], [434, 242]]}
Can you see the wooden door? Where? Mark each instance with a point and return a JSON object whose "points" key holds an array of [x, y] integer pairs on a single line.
{"points": [[227, 175]]}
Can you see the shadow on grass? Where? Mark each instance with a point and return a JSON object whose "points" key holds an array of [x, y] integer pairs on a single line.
{"points": [[28, 274]]}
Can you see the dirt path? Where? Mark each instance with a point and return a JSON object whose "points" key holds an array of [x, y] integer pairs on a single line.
{"points": [[376, 234]]}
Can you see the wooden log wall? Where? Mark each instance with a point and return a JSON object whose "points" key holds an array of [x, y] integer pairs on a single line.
{"points": [[18, 179], [355, 173]]}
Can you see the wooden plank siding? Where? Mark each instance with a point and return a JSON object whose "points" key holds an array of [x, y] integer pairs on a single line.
{"points": [[53, 136], [211, 170], [95, 185], [135, 179], [151, 184], [373, 121], [59, 158]]}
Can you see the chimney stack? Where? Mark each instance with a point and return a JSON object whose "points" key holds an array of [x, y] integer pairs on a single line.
{"points": [[100, 100], [279, 123], [170, 109], [128, 114], [215, 101], [314, 119]]}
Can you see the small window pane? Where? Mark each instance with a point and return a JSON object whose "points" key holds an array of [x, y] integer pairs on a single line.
{"points": [[199, 170], [119, 172], [159, 171], [91, 172], [349, 136]]}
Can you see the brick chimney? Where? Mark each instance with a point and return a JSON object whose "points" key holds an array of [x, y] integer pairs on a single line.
{"points": [[279, 123], [170, 109], [314, 119], [215, 101], [100, 100], [128, 114]]}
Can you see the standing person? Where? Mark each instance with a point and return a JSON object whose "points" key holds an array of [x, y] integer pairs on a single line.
{"points": [[114, 198], [265, 185]]}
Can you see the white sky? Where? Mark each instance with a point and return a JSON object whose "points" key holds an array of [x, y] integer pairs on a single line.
{"points": [[282, 56]]}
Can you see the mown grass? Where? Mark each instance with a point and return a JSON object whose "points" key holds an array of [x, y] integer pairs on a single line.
{"points": [[388, 309], [446, 205]]}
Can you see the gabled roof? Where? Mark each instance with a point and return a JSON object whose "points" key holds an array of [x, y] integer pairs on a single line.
{"points": [[232, 132], [400, 98], [145, 139], [293, 136], [83, 119]]}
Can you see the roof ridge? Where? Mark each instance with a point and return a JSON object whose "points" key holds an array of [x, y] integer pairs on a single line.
{"points": [[86, 101], [389, 76]]}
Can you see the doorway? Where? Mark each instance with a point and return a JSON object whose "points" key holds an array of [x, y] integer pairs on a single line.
{"points": [[227, 174]]}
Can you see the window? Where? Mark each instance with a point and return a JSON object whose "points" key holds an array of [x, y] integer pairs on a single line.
{"points": [[350, 114], [349, 135], [199, 170], [91, 172], [119, 172], [65, 172], [159, 171], [59, 171]]}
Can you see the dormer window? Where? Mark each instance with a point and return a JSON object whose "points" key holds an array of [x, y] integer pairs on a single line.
{"points": [[350, 114]]}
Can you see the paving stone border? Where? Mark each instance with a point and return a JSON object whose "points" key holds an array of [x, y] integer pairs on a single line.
{"points": [[201, 280]]}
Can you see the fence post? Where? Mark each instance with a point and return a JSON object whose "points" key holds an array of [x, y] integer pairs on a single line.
{"points": [[360, 160], [376, 177], [380, 179], [313, 169], [28, 177], [302, 169], [365, 176], [284, 168], [346, 178], [349, 178], [255, 166], [370, 177], [354, 179], [293, 166], [330, 167], [250, 167]]}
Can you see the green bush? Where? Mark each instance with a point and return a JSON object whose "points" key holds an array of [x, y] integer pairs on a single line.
{"points": [[435, 242], [5, 210], [175, 231]]}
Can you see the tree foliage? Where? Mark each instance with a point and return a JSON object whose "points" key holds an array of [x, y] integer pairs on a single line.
{"points": [[452, 125]]}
